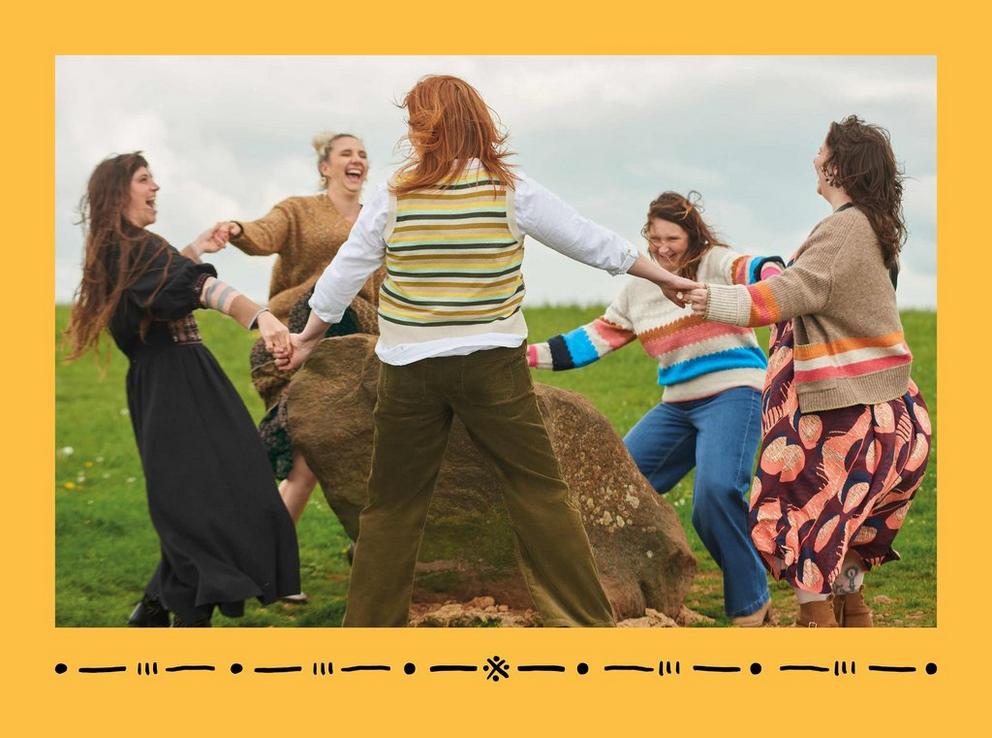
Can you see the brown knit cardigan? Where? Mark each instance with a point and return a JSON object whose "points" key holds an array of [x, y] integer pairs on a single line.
{"points": [[849, 343], [305, 233]]}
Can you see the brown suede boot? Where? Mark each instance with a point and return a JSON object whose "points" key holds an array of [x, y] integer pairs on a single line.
{"points": [[851, 611], [817, 614]]}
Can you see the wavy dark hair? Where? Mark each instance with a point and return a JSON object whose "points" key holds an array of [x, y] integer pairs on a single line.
{"points": [[686, 212], [116, 252], [860, 160]]}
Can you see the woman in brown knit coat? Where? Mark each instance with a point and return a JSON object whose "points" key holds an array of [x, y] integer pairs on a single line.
{"points": [[846, 431], [305, 233]]}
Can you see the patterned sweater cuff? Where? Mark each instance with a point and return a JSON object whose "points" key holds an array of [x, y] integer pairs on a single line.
{"points": [[728, 304], [539, 356]]}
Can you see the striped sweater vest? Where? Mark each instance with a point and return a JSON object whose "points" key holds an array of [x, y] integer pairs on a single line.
{"points": [[453, 258]]}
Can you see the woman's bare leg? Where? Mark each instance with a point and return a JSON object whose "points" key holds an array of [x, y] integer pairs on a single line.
{"points": [[297, 487]]}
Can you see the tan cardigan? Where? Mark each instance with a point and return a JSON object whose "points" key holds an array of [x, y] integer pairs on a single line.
{"points": [[849, 345], [306, 233]]}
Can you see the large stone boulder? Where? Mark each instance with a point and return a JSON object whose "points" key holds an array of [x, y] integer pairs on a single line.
{"points": [[641, 550]]}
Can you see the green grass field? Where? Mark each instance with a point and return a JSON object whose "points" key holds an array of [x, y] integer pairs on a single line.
{"points": [[106, 546]]}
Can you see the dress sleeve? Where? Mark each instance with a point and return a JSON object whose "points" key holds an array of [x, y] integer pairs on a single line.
{"points": [[266, 235], [587, 343], [169, 287]]}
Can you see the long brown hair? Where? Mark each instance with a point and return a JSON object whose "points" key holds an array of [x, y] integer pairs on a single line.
{"points": [[686, 212], [449, 124], [116, 252], [862, 162]]}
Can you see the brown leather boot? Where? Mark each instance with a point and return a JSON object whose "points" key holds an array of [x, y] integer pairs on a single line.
{"points": [[851, 611], [817, 614]]}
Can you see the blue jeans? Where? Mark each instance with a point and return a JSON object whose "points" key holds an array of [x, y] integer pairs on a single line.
{"points": [[719, 436]]}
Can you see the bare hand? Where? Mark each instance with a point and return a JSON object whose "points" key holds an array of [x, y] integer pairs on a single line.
{"points": [[212, 240], [299, 351], [677, 289], [698, 300], [274, 333]]}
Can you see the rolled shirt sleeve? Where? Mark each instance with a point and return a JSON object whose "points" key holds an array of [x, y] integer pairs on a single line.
{"points": [[358, 257], [542, 215]]}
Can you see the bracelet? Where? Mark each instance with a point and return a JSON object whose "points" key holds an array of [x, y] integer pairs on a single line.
{"points": [[254, 319]]}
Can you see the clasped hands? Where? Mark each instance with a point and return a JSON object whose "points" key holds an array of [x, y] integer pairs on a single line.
{"points": [[685, 292], [296, 351], [215, 238]]}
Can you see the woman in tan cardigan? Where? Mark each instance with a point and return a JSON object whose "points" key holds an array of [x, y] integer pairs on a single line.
{"points": [[846, 433], [305, 233]]}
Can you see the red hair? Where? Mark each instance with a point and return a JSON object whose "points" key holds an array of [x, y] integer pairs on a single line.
{"points": [[450, 124]]}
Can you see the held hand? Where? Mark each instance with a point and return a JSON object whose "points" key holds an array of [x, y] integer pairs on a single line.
{"points": [[698, 300], [677, 288], [211, 240], [274, 333], [298, 353]]}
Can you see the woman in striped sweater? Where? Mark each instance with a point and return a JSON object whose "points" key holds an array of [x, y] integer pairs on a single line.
{"points": [[846, 432], [709, 416], [450, 229]]}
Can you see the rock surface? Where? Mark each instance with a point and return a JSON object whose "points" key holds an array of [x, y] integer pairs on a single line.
{"points": [[640, 548]]}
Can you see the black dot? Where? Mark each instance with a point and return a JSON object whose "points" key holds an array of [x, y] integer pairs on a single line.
{"points": [[755, 668], [582, 668], [409, 668], [62, 668], [236, 668], [931, 668]]}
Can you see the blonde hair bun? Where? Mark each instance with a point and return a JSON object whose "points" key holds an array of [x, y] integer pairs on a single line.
{"points": [[322, 142]]}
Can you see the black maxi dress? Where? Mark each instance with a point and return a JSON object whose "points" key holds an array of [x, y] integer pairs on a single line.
{"points": [[225, 533]]}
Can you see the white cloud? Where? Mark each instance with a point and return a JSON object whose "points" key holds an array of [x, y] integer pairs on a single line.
{"points": [[230, 137]]}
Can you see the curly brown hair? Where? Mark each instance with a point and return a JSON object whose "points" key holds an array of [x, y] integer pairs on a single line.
{"points": [[116, 252], [860, 160], [686, 212]]}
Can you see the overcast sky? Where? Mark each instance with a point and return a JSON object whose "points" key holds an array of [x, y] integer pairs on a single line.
{"points": [[228, 137]]}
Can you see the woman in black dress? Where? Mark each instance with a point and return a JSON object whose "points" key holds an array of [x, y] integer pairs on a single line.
{"points": [[225, 534]]}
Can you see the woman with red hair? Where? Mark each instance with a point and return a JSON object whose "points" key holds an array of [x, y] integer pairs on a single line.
{"points": [[450, 229]]}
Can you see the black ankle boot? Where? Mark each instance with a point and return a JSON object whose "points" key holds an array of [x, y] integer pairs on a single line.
{"points": [[149, 614]]}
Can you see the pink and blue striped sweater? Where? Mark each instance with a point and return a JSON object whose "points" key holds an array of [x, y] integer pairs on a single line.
{"points": [[696, 358]]}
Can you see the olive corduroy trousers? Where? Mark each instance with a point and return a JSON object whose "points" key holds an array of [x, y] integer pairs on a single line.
{"points": [[492, 393]]}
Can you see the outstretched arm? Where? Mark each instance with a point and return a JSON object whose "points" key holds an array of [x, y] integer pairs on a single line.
{"points": [[587, 343], [264, 236], [801, 289], [224, 298], [559, 226], [210, 241]]}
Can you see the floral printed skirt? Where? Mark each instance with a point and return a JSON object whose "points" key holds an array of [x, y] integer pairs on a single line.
{"points": [[834, 480]]}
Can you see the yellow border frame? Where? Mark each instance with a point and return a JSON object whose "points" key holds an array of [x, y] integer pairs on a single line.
{"points": [[868, 702]]}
